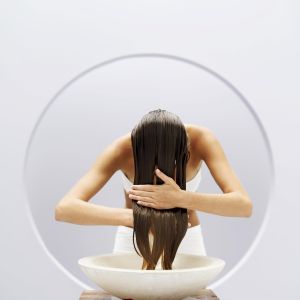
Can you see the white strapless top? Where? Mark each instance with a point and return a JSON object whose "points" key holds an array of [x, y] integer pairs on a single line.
{"points": [[191, 185]]}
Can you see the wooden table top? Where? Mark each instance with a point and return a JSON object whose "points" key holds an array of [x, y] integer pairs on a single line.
{"points": [[205, 294]]}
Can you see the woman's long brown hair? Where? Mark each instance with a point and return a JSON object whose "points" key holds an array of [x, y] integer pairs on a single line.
{"points": [[159, 140]]}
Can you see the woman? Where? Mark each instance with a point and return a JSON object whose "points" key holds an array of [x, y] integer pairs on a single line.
{"points": [[158, 204], [159, 139]]}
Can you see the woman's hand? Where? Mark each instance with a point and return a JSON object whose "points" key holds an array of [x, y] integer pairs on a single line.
{"points": [[165, 196]]}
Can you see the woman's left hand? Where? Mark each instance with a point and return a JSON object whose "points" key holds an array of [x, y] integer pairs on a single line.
{"points": [[164, 196]]}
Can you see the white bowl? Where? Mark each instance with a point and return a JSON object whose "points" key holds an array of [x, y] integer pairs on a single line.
{"points": [[120, 275]]}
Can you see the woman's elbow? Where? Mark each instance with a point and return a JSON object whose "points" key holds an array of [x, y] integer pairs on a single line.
{"points": [[248, 208], [59, 212]]}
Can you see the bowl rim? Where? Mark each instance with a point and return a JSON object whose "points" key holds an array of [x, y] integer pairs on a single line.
{"points": [[218, 263]]}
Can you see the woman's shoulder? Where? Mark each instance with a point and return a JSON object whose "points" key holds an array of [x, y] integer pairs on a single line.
{"points": [[201, 137], [197, 129], [125, 148], [198, 133]]}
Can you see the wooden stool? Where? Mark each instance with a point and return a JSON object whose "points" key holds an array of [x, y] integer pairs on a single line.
{"points": [[205, 294]]}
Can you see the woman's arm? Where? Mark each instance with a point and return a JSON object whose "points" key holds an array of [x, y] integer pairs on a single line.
{"points": [[74, 206], [78, 211], [232, 204], [234, 201]]}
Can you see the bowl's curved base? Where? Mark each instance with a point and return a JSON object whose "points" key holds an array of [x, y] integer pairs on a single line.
{"points": [[205, 294]]}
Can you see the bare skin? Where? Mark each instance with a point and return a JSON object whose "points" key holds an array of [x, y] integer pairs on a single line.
{"points": [[74, 206]]}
